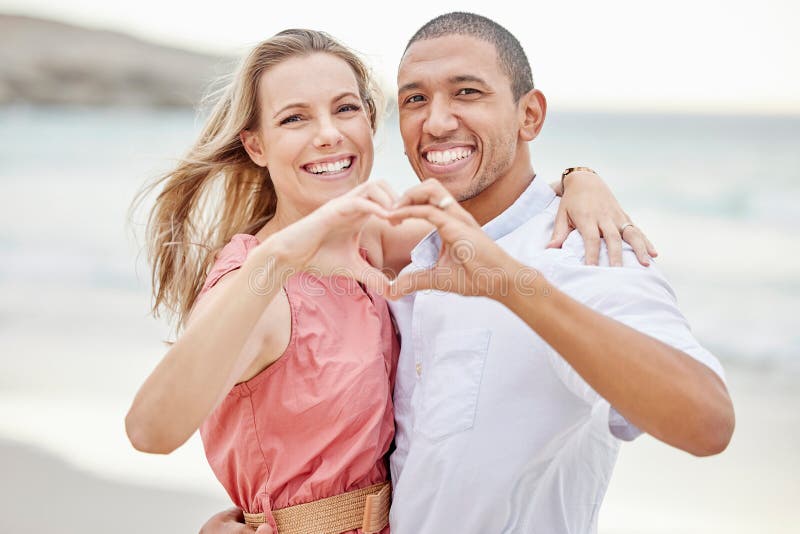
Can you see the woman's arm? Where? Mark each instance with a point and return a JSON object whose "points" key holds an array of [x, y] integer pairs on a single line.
{"points": [[207, 360], [589, 206]]}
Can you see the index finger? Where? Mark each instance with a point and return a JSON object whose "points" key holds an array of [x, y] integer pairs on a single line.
{"points": [[430, 191]]}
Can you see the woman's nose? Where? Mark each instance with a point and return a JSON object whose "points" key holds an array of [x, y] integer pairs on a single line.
{"points": [[328, 135]]}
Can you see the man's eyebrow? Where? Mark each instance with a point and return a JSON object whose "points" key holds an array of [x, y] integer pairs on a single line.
{"points": [[461, 78], [304, 105], [408, 87]]}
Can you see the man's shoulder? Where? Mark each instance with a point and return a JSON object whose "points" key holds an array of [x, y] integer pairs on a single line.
{"points": [[534, 231], [575, 250]]}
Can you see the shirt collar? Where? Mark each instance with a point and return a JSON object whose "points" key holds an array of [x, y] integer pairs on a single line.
{"points": [[534, 199]]}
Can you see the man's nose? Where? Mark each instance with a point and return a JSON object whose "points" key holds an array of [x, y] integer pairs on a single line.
{"points": [[328, 134], [440, 120]]}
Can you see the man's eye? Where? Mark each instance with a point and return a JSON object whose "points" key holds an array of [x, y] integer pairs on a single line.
{"points": [[467, 91], [414, 99], [293, 118]]}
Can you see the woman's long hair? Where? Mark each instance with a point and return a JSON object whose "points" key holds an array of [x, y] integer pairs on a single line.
{"points": [[216, 190]]}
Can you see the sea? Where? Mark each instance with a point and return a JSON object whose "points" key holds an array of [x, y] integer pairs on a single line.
{"points": [[718, 195]]}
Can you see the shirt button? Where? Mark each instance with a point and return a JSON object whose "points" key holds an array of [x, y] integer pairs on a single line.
{"points": [[419, 369]]}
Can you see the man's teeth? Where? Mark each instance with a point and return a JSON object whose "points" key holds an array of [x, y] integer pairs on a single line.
{"points": [[321, 168], [443, 157]]}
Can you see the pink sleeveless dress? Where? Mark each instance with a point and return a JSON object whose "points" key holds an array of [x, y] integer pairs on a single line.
{"points": [[319, 421]]}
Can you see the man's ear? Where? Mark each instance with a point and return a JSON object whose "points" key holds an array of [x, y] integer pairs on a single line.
{"points": [[254, 147], [533, 108]]}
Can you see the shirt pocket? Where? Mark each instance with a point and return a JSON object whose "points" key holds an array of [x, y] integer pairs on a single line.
{"points": [[452, 381]]}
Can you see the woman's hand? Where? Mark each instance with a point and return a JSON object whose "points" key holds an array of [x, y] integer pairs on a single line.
{"points": [[589, 206], [326, 242]]}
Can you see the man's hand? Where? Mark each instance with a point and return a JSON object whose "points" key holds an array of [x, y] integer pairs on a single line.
{"points": [[470, 263], [231, 521]]}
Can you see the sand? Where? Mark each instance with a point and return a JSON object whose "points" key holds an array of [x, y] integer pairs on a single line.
{"points": [[753, 487]]}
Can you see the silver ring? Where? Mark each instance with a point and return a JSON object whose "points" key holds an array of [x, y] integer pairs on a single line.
{"points": [[624, 227], [446, 201]]}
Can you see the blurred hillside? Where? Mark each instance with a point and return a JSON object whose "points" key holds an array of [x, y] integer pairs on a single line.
{"points": [[47, 62]]}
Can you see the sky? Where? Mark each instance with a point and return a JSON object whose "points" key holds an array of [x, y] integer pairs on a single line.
{"points": [[701, 56]]}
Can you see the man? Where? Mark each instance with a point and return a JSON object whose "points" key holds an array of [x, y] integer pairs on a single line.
{"points": [[510, 407]]}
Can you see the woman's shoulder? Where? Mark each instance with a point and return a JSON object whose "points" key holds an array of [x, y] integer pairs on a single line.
{"points": [[239, 245], [230, 257]]}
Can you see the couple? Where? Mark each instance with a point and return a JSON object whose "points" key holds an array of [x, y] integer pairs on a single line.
{"points": [[515, 378]]}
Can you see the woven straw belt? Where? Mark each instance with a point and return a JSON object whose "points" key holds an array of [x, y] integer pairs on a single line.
{"points": [[366, 508]]}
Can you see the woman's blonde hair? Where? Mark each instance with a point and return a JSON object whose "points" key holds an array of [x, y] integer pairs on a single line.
{"points": [[216, 190]]}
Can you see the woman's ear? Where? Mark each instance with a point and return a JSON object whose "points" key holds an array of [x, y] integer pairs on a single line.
{"points": [[254, 147], [533, 108]]}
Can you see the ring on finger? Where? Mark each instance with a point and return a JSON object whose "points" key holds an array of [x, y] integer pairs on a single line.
{"points": [[624, 227]]}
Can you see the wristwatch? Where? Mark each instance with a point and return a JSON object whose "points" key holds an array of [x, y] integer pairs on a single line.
{"points": [[573, 169]]}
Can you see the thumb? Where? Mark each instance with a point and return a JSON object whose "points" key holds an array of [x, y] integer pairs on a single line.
{"points": [[265, 528], [410, 282], [374, 280], [560, 229]]}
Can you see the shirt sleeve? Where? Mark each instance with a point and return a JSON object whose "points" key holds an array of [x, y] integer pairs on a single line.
{"points": [[637, 296]]}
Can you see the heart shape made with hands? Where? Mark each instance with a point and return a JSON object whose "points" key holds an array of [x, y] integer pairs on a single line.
{"points": [[469, 262], [327, 241]]}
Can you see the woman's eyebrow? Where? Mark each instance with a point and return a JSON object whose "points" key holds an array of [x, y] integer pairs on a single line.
{"points": [[304, 105], [346, 93], [289, 106]]}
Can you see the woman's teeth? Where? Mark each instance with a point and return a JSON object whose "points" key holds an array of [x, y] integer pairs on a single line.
{"points": [[329, 168], [448, 156]]}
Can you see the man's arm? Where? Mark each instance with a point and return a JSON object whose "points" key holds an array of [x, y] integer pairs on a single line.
{"points": [[661, 390], [658, 388]]}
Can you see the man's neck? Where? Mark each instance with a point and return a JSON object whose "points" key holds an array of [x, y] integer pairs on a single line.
{"points": [[499, 196]]}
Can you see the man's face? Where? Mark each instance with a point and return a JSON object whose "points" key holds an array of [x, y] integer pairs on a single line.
{"points": [[458, 118]]}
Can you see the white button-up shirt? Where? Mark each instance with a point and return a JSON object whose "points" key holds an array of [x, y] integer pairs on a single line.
{"points": [[495, 431]]}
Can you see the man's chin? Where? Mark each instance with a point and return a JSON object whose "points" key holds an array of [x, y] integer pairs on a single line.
{"points": [[461, 187]]}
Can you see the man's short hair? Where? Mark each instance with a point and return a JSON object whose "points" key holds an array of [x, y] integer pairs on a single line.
{"points": [[513, 61]]}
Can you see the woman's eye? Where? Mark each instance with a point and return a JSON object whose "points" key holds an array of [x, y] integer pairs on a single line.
{"points": [[348, 107], [293, 118]]}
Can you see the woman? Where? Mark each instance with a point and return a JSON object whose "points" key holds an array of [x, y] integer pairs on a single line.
{"points": [[287, 357]]}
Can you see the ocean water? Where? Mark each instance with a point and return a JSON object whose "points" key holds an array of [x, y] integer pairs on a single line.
{"points": [[717, 194]]}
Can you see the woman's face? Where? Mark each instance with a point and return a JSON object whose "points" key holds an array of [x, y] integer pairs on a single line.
{"points": [[314, 134]]}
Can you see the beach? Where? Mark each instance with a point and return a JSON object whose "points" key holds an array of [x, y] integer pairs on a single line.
{"points": [[76, 340], [751, 488]]}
